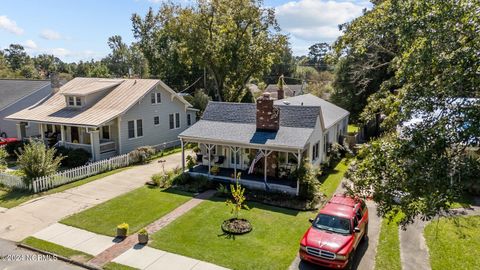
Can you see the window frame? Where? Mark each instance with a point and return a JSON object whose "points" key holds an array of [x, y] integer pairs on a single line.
{"points": [[109, 133], [189, 119], [171, 121], [156, 98], [155, 118], [177, 121], [135, 129]]}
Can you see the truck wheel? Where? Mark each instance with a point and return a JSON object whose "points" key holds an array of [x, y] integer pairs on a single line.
{"points": [[365, 234], [351, 258]]}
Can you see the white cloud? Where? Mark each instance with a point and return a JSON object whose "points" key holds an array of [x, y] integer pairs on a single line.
{"points": [[30, 44], [10, 25], [50, 35], [317, 20]]}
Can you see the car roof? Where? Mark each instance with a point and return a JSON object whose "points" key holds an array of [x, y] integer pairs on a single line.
{"points": [[340, 205]]}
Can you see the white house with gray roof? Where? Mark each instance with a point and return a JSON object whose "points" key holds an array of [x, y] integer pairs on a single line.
{"points": [[16, 95], [107, 117], [239, 137]]}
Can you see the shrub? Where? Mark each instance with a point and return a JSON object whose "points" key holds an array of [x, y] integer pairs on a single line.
{"points": [[308, 182], [3, 161], [191, 162], [142, 154], [123, 226], [196, 149], [162, 180], [143, 232], [193, 184], [238, 202], [37, 161], [73, 157]]}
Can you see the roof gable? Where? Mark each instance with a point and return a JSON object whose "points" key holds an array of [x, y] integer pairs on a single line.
{"points": [[12, 91]]}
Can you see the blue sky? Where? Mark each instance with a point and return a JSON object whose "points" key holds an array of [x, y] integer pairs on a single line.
{"points": [[74, 30]]}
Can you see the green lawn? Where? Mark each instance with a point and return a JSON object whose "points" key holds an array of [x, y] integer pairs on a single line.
{"points": [[388, 250], [272, 244], [117, 266], [57, 249], [333, 178], [454, 243], [352, 128], [12, 198], [138, 208]]}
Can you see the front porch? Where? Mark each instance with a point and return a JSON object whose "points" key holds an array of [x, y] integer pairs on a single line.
{"points": [[101, 142], [251, 180], [261, 168]]}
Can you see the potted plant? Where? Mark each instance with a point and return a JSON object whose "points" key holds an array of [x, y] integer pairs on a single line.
{"points": [[122, 230], [215, 170], [143, 236]]}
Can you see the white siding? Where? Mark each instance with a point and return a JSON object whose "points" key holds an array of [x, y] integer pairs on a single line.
{"points": [[153, 134], [317, 136]]}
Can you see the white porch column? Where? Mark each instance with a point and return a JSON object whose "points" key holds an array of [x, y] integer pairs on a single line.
{"points": [[209, 148], [266, 153], [234, 150], [298, 167], [21, 131], [42, 133], [62, 134], [95, 144], [183, 155]]}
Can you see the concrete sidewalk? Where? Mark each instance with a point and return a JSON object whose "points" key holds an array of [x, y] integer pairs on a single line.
{"points": [[139, 256], [19, 222]]}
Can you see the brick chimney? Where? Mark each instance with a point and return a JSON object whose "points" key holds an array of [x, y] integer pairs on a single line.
{"points": [[268, 116], [280, 92], [55, 82]]}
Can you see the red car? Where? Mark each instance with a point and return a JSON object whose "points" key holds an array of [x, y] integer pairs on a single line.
{"points": [[335, 233], [5, 141]]}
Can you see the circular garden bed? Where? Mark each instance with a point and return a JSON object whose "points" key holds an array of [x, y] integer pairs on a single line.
{"points": [[236, 226]]}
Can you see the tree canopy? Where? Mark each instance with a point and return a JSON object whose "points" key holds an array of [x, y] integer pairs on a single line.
{"points": [[418, 60]]}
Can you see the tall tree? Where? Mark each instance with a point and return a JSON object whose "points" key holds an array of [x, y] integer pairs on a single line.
{"points": [[317, 55], [420, 166], [233, 40], [16, 56]]}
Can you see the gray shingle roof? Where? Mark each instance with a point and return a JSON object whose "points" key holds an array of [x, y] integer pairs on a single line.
{"points": [[14, 90], [290, 116], [236, 123], [331, 112], [246, 133]]}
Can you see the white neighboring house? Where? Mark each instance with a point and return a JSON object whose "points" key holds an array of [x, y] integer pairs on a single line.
{"points": [[233, 136], [16, 95], [108, 117]]}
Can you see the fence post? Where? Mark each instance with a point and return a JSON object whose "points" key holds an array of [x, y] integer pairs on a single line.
{"points": [[34, 184]]}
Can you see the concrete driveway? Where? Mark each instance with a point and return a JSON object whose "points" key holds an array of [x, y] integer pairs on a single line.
{"points": [[366, 251], [26, 219]]}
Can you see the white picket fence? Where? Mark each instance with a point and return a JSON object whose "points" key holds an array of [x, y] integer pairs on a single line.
{"points": [[68, 176], [12, 181]]}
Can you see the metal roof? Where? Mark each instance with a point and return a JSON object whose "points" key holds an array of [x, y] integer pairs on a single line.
{"points": [[331, 113], [93, 87], [115, 102], [13, 90]]}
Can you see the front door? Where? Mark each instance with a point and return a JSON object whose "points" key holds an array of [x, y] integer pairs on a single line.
{"points": [[75, 136], [235, 158]]}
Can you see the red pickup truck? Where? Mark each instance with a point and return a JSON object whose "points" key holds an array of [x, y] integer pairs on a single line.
{"points": [[5, 141], [335, 233]]}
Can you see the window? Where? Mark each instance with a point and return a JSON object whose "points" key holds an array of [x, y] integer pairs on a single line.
{"points": [[172, 121], [177, 120], [135, 128], [189, 119], [131, 129], [106, 132], [156, 120], [156, 97], [315, 151], [74, 101], [139, 128]]}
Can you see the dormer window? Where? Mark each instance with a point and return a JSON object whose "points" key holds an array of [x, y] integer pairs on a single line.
{"points": [[74, 101]]}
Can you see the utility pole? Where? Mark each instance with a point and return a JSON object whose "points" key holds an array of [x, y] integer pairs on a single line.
{"points": [[204, 79]]}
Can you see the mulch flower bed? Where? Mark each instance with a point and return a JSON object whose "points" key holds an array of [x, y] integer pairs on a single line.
{"points": [[236, 226]]}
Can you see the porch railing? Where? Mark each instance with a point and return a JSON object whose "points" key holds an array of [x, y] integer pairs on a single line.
{"points": [[86, 147], [107, 146]]}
